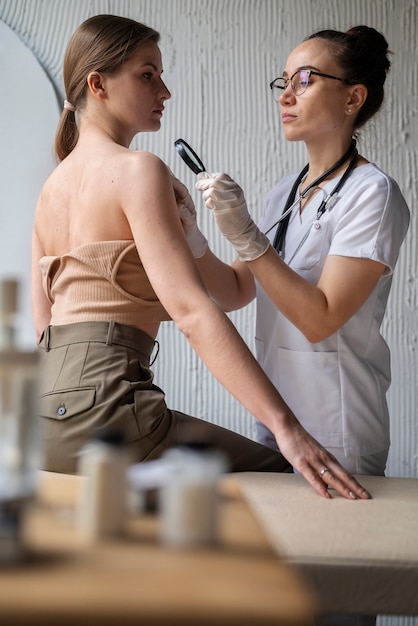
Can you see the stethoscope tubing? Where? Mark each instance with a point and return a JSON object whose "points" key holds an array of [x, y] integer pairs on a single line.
{"points": [[282, 226], [325, 204]]}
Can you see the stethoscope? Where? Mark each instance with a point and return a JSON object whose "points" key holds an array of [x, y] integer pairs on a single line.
{"points": [[327, 203]]}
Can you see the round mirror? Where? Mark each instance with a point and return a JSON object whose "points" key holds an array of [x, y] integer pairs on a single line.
{"points": [[29, 113]]}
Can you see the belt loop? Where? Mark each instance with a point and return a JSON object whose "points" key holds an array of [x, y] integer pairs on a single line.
{"points": [[47, 337], [111, 328]]}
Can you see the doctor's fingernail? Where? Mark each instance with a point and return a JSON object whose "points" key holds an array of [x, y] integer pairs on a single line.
{"points": [[352, 495]]}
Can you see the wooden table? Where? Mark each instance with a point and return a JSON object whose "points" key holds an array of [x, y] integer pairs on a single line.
{"points": [[359, 557], [137, 581]]}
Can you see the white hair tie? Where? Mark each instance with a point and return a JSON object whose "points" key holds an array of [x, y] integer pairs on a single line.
{"points": [[69, 106]]}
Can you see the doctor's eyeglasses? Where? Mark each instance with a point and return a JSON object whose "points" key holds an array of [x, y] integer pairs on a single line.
{"points": [[299, 82]]}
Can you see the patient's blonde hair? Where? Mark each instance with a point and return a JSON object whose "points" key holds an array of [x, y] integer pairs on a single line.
{"points": [[102, 43]]}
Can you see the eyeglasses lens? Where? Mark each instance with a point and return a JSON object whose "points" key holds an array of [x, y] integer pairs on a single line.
{"points": [[298, 82], [277, 87]]}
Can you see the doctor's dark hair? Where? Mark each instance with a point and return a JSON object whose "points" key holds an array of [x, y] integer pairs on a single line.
{"points": [[362, 54], [102, 43]]}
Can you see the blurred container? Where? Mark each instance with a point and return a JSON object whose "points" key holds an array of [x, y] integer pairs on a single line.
{"points": [[103, 506], [188, 499], [19, 428]]}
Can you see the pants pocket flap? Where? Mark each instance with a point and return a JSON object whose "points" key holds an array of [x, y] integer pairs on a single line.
{"points": [[61, 405]]}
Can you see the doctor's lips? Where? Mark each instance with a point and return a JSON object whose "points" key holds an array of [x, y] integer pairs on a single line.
{"points": [[287, 117]]}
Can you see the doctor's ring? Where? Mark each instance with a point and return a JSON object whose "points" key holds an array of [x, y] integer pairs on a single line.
{"points": [[323, 470]]}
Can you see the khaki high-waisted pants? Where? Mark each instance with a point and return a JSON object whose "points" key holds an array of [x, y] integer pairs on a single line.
{"points": [[96, 375]]}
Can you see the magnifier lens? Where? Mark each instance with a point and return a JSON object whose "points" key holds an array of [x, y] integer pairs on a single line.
{"points": [[189, 156]]}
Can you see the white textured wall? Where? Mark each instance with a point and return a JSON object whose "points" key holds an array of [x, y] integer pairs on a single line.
{"points": [[219, 56]]}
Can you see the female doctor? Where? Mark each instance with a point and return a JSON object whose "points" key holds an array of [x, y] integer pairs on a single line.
{"points": [[321, 261]]}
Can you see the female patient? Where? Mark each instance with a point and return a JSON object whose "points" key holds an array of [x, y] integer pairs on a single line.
{"points": [[110, 262]]}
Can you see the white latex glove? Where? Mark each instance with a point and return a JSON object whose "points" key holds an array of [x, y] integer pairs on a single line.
{"points": [[198, 243], [227, 201]]}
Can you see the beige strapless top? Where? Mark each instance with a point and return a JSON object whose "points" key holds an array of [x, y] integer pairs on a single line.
{"points": [[100, 281]]}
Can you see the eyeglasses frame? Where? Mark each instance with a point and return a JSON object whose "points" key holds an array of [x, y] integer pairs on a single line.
{"points": [[289, 80]]}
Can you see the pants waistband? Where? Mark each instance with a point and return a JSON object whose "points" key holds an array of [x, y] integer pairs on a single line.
{"points": [[109, 333]]}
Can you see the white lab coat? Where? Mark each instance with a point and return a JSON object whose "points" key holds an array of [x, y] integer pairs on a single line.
{"points": [[337, 387]]}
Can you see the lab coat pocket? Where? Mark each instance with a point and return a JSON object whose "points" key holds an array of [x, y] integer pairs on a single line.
{"points": [[310, 384], [314, 248]]}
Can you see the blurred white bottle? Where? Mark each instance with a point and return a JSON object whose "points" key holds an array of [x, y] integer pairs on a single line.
{"points": [[103, 505], [189, 499]]}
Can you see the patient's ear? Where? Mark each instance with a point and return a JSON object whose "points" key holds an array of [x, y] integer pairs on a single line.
{"points": [[95, 84]]}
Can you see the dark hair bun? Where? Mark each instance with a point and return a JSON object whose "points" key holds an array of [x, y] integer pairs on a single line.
{"points": [[373, 44], [361, 53]]}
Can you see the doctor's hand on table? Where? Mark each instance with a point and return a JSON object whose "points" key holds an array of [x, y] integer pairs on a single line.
{"points": [[320, 468], [308, 457]]}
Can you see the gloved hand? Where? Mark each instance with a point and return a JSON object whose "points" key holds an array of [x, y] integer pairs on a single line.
{"points": [[198, 243], [227, 201]]}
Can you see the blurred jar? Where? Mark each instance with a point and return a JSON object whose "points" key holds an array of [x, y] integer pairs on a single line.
{"points": [[19, 428], [189, 499], [103, 505]]}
